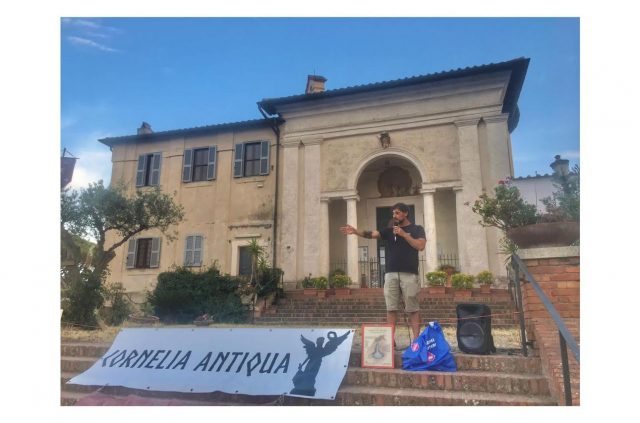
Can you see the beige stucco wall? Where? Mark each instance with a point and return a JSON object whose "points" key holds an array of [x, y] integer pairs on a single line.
{"points": [[448, 135], [227, 211]]}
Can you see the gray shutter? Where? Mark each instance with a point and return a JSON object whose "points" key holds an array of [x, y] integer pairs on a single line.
{"points": [[131, 254], [211, 166], [155, 252], [197, 251], [264, 157], [238, 162], [187, 166], [155, 169], [188, 251], [142, 165]]}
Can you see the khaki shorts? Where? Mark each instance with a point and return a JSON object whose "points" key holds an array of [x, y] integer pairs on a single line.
{"points": [[408, 286]]}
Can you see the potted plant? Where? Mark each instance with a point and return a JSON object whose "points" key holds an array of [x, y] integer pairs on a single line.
{"points": [[523, 225], [449, 270], [485, 279], [309, 286], [436, 282], [462, 284], [340, 283], [321, 284]]}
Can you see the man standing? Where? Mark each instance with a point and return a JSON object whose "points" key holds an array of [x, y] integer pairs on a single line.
{"points": [[404, 240]]}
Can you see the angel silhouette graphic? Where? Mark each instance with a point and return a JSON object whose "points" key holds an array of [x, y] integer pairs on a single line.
{"points": [[304, 381]]}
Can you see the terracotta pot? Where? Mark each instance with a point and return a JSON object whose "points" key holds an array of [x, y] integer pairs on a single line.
{"points": [[310, 292], [462, 293], [342, 292], [436, 290], [485, 289], [555, 234], [322, 293]]}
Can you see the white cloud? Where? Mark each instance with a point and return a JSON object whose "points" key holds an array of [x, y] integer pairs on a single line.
{"points": [[88, 43], [91, 166]]}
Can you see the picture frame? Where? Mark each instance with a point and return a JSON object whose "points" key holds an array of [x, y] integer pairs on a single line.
{"points": [[377, 346]]}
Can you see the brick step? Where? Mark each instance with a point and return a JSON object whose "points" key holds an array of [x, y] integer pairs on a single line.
{"points": [[337, 321], [348, 395], [497, 363], [366, 395], [467, 381]]}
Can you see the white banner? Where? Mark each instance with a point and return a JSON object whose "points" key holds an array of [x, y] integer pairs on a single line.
{"points": [[301, 362]]}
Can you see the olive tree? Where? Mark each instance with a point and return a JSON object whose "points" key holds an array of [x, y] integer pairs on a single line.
{"points": [[94, 212]]}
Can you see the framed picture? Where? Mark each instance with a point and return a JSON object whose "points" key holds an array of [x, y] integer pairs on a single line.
{"points": [[377, 346]]}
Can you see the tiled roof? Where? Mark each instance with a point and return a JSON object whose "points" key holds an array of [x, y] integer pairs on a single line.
{"points": [[517, 66], [197, 130]]}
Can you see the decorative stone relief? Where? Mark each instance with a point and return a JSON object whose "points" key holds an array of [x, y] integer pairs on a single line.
{"points": [[395, 182]]}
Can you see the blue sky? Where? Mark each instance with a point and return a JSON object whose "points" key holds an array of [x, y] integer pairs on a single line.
{"points": [[184, 72]]}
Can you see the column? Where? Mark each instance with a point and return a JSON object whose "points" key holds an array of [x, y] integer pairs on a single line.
{"points": [[324, 237], [472, 238], [500, 166], [431, 249], [288, 213], [312, 215], [352, 241]]}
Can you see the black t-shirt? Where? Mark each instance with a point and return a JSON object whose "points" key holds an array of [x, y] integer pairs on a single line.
{"points": [[402, 257]]}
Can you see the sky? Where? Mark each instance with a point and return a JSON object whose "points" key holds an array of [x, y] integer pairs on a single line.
{"points": [[183, 72]]}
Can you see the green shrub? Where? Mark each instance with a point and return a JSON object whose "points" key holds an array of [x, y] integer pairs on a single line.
{"points": [[320, 282], [182, 294], [438, 278], [307, 282], [120, 307], [268, 280], [340, 280], [462, 281], [485, 277], [82, 295]]}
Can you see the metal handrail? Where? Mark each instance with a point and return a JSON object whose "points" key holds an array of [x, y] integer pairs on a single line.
{"points": [[566, 339]]}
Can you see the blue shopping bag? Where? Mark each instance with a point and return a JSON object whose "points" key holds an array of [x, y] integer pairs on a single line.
{"points": [[429, 351]]}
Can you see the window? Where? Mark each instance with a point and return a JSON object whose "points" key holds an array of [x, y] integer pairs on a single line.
{"points": [[148, 171], [143, 253], [245, 261], [199, 164], [193, 251], [251, 159]]}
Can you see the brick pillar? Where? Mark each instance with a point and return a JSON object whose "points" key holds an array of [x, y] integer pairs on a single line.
{"points": [[557, 271]]}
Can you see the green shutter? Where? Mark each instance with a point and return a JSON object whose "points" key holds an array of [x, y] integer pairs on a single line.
{"points": [[155, 252], [188, 251], [211, 166], [238, 162], [155, 169], [197, 251], [131, 254], [142, 165], [264, 157], [187, 165]]}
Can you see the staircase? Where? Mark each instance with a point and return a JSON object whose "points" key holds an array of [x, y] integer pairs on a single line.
{"points": [[480, 380], [368, 306]]}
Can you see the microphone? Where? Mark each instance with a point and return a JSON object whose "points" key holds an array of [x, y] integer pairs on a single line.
{"points": [[395, 225]]}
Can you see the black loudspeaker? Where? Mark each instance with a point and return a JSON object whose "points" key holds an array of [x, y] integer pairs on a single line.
{"points": [[474, 329]]}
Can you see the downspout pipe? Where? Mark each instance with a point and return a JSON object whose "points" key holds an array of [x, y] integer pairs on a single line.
{"points": [[275, 122]]}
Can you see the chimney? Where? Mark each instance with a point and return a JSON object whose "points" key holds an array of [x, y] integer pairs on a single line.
{"points": [[315, 84], [145, 129], [560, 166]]}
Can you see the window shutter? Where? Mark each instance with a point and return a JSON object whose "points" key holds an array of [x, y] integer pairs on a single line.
{"points": [[188, 251], [155, 252], [238, 162], [211, 167], [197, 251], [155, 169], [264, 158], [187, 165], [131, 254], [142, 165]]}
